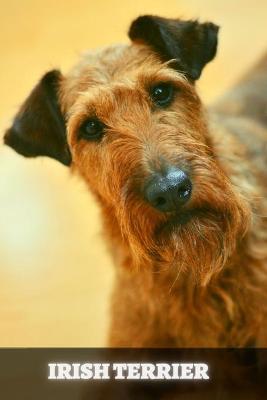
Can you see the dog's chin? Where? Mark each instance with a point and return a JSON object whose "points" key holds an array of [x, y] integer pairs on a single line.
{"points": [[189, 223]]}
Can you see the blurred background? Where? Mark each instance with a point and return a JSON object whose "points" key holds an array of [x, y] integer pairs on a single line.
{"points": [[55, 272]]}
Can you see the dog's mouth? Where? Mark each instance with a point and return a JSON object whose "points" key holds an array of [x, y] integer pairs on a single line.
{"points": [[180, 219]]}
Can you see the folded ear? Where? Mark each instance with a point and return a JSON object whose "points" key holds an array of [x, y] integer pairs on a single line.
{"points": [[192, 44], [39, 127]]}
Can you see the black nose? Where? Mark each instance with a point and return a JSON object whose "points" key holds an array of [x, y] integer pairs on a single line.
{"points": [[168, 192]]}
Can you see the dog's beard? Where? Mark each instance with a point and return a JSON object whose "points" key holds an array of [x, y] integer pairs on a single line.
{"points": [[198, 241], [201, 246]]}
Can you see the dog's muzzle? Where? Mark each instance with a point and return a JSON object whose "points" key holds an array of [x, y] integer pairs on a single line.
{"points": [[168, 192]]}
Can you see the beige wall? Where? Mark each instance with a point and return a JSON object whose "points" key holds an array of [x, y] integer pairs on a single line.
{"points": [[55, 273]]}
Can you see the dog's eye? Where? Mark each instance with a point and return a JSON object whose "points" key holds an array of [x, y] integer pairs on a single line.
{"points": [[91, 129], [162, 94]]}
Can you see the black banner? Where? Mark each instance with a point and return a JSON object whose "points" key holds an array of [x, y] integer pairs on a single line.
{"points": [[135, 374]]}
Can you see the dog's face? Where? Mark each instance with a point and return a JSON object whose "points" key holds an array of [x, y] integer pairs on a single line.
{"points": [[128, 118], [135, 125]]}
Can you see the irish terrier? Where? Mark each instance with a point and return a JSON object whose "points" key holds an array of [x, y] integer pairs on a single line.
{"points": [[182, 192]]}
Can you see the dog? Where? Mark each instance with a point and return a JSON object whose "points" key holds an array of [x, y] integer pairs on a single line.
{"points": [[182, 189]]}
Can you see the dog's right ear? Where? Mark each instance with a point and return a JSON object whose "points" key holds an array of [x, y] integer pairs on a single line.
{"points": [[39, 127]]}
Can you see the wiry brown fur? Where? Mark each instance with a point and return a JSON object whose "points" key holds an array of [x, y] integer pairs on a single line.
{"points": [[199, 282], [197, 278]]}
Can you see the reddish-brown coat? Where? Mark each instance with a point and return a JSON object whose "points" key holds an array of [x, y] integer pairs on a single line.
{"points": [[202, 283]]}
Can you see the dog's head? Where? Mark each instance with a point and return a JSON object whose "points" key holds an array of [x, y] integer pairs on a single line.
{"points": [[128, 118]]}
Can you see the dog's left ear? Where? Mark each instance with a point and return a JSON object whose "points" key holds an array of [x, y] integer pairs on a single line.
{"points": [[192, 44], [39, 127]]}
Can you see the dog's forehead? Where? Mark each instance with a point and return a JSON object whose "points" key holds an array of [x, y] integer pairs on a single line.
{"points": [[107, 65]]}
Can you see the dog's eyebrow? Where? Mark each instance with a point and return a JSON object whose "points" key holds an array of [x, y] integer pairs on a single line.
{"points": [[162, 75]]}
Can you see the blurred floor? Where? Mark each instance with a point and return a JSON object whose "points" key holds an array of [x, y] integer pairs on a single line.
{"points": [[55, 273]]}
